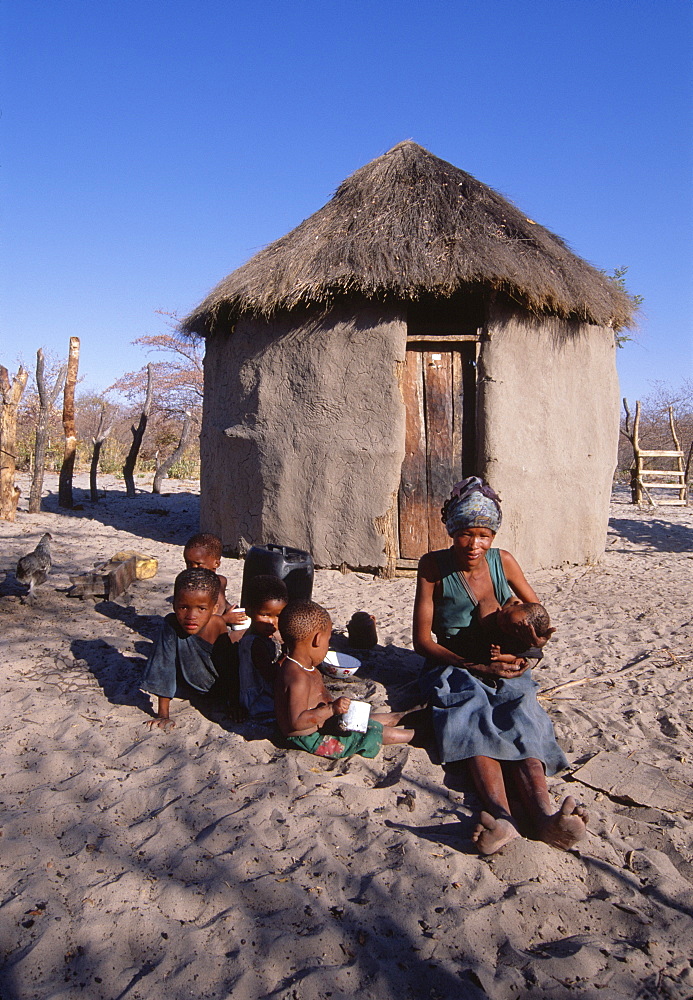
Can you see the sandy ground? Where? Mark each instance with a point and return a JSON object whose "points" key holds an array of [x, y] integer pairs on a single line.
{"points": [[206, 862]]}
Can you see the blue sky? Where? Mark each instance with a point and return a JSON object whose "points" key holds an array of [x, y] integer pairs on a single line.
{"points": [[149, 147]]}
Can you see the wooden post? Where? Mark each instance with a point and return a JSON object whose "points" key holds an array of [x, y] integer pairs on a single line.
{"points": [[47, 398], [102, 433], [11, 393], [681, 468], [636, 483], [632, 436], [67, 468], [163, 469], [656, 479], [137, 435]]}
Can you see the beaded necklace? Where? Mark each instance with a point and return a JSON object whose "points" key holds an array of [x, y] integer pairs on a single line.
{"points": [[308, 670]]}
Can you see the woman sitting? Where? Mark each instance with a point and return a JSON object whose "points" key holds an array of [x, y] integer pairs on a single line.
{"points": [[487, 713]]}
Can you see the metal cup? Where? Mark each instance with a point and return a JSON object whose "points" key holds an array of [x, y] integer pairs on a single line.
{"points": [[355, 719]]}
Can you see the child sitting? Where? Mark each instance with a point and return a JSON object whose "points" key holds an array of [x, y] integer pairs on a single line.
{"points": [[306, 714], [193, 647], [259, 650], [203, 551]]}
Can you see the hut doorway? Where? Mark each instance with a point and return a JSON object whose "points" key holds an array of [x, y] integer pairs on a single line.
{"points": [[439, 391]]}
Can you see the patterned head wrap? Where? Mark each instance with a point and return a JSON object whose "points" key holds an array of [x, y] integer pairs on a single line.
{"points": [[472, 504]]}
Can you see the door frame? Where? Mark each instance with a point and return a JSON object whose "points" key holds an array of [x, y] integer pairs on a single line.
{"points": [[467, 347]]}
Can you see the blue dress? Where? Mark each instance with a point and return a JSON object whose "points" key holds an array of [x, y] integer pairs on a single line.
{"points": [[178, 661], [475, 715], [256, 694]]}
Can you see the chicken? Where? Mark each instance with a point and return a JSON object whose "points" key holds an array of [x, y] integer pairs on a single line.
{"points": [[33, 568]]}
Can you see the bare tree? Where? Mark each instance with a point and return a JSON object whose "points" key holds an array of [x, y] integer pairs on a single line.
{"points": [[102, 431], [67, 468], [179, 379], [137, 435], [47, 398], [163, 470], [11, 393]]}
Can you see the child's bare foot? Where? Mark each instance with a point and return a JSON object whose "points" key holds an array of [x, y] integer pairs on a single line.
{"points": [[491, 834], [390, 718], [566, 827], [392, 735]]}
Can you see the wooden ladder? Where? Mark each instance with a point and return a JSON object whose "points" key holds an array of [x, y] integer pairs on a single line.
{"points": [[644, 480]]}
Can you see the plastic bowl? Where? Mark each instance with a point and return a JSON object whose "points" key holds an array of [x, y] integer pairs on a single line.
{"points": [[339, 665]]}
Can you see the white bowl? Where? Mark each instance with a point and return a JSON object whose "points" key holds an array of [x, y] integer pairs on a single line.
{"points": [[339, 664]]}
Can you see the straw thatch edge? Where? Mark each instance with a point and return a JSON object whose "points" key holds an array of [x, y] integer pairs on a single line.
{"points": [[405, 226]]}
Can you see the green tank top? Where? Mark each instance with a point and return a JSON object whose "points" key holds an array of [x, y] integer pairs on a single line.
{"points": [[454, 608]]}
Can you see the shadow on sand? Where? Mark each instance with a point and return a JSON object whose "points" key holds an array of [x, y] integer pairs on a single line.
{"points": [[664, 536], [151, 516]]}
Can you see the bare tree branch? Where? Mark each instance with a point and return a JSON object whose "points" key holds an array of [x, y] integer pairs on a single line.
{"points": [[137, 435], [103, 430], [47, 400], [67, 468], [10, 393], [163, 469]]}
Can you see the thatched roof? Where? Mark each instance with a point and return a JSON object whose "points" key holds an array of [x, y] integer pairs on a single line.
{"points": [[407, 225]]}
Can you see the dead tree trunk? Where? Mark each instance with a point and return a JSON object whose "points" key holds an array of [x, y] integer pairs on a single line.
{"points": [[11, 393], [631, 433], [47, 398], [67, 468], [102, 432], [163, 470], [137, 435]]}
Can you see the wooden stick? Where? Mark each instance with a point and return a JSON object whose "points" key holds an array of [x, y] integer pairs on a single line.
{"points": [[548, 693]]}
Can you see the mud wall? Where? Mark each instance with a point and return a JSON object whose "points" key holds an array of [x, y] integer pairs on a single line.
{"points": [[303, 434], [547, 422]]}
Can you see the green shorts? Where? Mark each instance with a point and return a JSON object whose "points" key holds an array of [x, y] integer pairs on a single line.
{"points": [[322, 745]]}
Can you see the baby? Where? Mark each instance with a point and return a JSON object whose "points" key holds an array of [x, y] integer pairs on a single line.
{"points": [[259, 650], [508, 629], [203, 551], [193, 648], [306, 714]]}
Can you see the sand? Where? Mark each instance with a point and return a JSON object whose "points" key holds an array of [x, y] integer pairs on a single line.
{"points": [[206, 862]]}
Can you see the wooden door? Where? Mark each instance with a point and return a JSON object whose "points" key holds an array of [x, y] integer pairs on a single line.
{"points": [[438, 389]]}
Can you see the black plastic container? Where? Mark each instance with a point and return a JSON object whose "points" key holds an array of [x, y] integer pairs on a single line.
{"points": [[293, 566], [362, 630]]}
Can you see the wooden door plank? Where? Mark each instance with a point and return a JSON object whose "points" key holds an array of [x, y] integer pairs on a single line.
{"points": [[457, 417], [438, 388], [413, 507], [468, 415]]}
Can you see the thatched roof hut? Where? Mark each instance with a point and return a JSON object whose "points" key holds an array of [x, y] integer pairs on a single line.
{"points": [[431, 290]]}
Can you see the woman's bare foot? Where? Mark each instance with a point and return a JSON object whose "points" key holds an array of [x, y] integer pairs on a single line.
{"points": [[159, 723], [566, 827], [491, 834]]}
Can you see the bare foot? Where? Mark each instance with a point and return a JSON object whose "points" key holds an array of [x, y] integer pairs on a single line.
{"points": [[158, 723], [392, 735], [390, 718], [237, 713], [491, 834], [566, 827]]}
